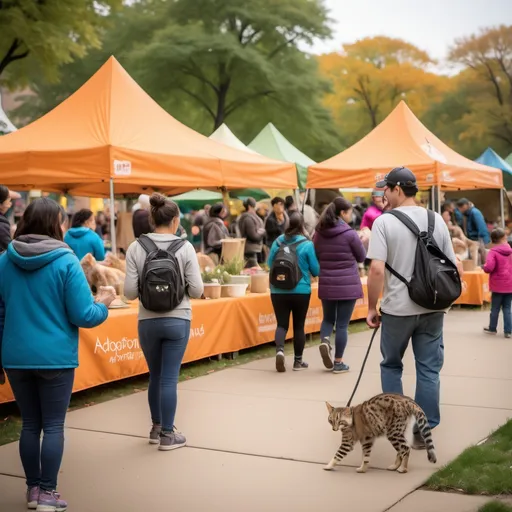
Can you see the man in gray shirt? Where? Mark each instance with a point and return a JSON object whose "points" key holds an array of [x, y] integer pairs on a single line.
{"points": [[402, 319]]}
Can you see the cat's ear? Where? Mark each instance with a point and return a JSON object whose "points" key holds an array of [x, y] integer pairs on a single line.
{"points": [[329, 407]]}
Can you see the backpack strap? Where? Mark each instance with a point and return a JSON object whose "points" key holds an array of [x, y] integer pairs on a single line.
{"points": [[408, 222], [431, 224], [147, 244], [175, 246]]}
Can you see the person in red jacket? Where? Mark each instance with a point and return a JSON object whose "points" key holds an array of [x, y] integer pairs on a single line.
{"points": [[499, 267]]}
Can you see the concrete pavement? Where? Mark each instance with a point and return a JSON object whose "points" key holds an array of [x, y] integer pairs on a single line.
{"points": [[257, 440]]}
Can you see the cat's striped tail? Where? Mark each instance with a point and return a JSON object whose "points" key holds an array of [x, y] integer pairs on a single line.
{"points": [[425, 433]]}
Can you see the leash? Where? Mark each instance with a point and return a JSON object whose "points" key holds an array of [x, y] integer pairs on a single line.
{"points": [[362, 367]]}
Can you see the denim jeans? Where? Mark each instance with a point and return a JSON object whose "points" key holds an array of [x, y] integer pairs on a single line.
{"points": [[426, 332], [43, 399], [501, 301], [337, 312], [163, 341]]}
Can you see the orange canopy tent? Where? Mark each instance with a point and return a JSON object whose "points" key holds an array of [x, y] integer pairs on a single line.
{"points": [[401, 139], [110, 130]]}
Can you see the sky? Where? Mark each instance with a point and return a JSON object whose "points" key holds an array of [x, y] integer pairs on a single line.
{"points": [[431, 25]]}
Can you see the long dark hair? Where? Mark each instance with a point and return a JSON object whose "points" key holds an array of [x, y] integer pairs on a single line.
{"points": [[81, 217], [331, 215], [295, 225], [4, 193], [42, 217], [163, 210]]}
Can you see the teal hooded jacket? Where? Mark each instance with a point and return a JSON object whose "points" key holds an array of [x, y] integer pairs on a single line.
{"points": [[46, 299]]}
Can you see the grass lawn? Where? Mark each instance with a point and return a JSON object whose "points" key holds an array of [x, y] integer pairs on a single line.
{"points": [[484, 469], [495, 506], [10, 421]]}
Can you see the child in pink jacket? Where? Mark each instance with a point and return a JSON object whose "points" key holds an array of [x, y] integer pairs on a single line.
{"points": [[499, 266]]}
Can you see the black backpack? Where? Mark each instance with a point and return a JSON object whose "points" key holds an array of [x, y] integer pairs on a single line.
{"points": [[285, 273], [435, 282], [161, 286]]}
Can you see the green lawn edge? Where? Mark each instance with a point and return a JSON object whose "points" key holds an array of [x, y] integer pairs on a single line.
{"points": [[495, 506], [484, 469]]}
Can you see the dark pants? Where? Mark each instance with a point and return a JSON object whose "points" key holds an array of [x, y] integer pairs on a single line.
{"points": [[43, 399], [297, 304], [501, 301], [337, 312], [163, 341], [426, 333]]}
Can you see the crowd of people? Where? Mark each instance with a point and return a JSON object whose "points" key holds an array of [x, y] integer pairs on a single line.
{"points": [[44, 290]]}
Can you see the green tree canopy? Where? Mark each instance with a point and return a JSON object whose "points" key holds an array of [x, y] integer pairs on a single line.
{"points": [[47, 33]]}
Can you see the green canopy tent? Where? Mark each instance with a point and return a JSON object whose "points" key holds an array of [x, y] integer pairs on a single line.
{"points": [[196, 199], [225, 136], [272, 143]]}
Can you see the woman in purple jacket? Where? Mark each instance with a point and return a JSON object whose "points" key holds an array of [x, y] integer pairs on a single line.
{"points": [[339, 250]]}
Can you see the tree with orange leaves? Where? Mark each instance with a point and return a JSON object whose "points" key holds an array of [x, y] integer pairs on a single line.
{"points": [[372, 75], [488, 59]]}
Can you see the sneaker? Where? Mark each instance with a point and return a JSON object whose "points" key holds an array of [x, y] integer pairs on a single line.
{"points": [[340, 367], [32, 497], [300, 365], [280, 366], [154, 434], [417, 442], [326, 353], [172, 440], [508, 335], [49, 501], [488, 331]]}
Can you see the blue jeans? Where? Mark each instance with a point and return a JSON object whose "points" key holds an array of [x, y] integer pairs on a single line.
{"points": [[501, 301], [337, 312], [43, 399], [163, 341], [426, 332]]}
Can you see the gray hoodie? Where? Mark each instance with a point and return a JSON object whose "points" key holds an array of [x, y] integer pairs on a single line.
{"points": [[189, 266]]}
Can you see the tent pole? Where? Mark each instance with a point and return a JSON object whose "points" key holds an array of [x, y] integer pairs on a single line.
{"points": [[112, 218], [439, 199], [502, 209]]}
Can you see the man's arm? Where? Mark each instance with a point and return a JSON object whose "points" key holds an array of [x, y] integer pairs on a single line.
{"points": [[378, 253], [375, 283]]}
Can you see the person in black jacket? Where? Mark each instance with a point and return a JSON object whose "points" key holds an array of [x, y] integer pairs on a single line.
{"points": [[5, 225], [276, 222]]}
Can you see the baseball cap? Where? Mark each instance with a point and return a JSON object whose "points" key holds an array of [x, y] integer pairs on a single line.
{"points": [[399, 176]]}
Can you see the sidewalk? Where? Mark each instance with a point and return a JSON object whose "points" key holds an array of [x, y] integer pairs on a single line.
{"points": [[258, 439]]}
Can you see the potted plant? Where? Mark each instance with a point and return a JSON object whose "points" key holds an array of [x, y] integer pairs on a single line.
{"points": [[212, 284], [234, 268]]}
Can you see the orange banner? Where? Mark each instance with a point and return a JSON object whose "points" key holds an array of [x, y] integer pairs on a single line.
{"points": [[112, 352]]}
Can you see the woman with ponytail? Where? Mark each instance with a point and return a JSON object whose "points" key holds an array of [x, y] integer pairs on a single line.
{"points": [[339, 250]]}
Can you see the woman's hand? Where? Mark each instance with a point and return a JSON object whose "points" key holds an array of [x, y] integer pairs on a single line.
{"points": [[106, 295]]}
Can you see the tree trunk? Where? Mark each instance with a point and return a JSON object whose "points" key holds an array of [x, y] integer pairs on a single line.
{"points": [[221, 105]]}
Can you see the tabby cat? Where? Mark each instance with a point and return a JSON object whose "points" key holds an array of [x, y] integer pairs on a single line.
{"points": [[383, 415]]}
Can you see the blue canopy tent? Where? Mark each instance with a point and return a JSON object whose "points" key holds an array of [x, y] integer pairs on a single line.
{"points": [[492, 159]]}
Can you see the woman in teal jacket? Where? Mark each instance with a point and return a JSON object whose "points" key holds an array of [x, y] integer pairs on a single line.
{"points": [[296, 300], [46, 299], [82, 237]]}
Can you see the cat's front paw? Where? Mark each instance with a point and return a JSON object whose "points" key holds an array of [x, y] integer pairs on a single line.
{"points": [[328, 467], [362, 469]]}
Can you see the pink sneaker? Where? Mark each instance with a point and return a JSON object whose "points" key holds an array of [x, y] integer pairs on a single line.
{"points": [[49, 501], [32, 497]]}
